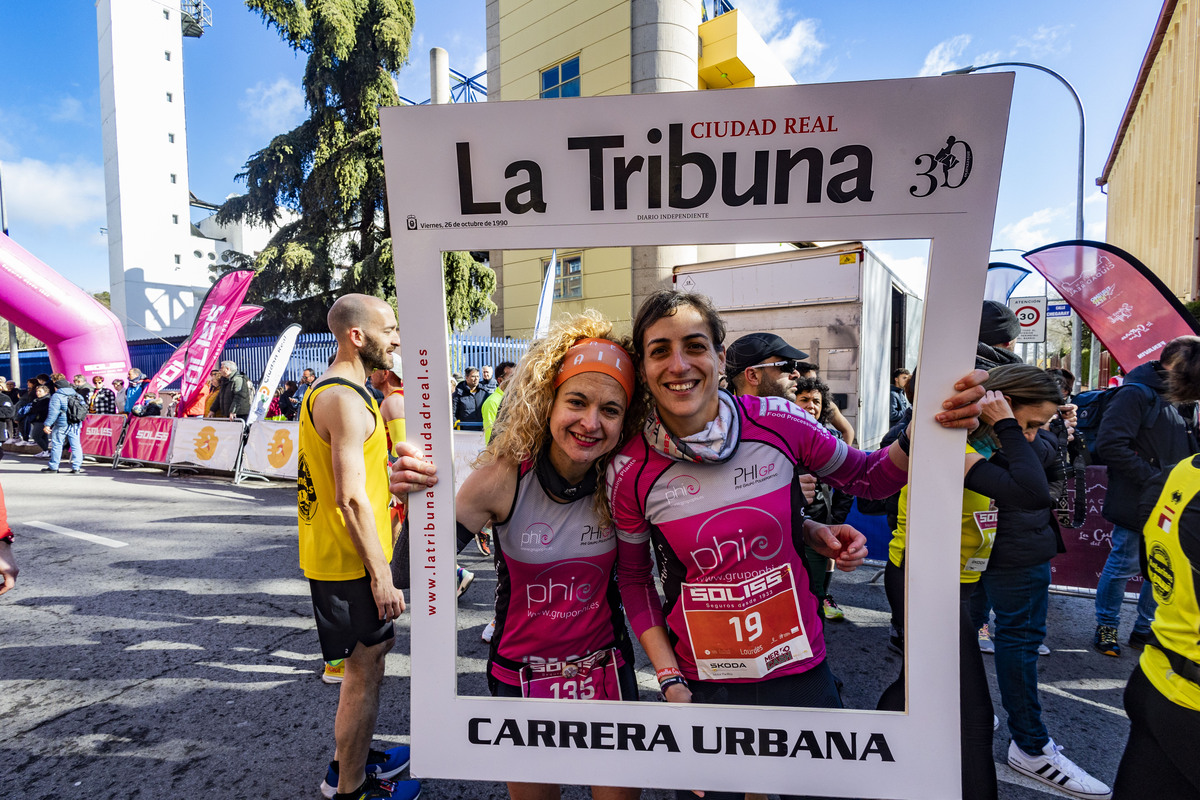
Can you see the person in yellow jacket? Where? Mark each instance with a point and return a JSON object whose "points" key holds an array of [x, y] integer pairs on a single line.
{"points": [[346, 541], [1162, 697]]}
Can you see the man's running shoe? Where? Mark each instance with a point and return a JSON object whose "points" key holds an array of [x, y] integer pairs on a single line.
{"points": [[1043, 650], [1106, 642], [830, 609], [489, 631], [381, 765], [376, 789], [335, 671], [482, 540], [1055, 769], [986, 645], [464, 578]]}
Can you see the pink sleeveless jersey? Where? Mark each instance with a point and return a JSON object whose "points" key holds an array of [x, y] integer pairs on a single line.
{"points": [[727, 540], [556, 598]]}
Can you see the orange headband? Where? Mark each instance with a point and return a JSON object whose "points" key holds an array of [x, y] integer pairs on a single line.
{"points": [[598, 355]]}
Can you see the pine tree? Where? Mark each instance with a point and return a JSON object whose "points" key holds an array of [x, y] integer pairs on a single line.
{"points": [[329, 170]]}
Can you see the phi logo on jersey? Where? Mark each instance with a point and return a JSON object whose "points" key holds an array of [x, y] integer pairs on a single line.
{"points": [[536, 536], [736, 534], [568, 582], [681, 489]]}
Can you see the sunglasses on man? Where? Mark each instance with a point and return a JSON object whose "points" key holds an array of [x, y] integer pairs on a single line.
{"points": [[787, 365]]}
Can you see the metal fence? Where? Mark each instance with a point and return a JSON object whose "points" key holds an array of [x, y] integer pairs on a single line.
{"points": [[312, 351]]}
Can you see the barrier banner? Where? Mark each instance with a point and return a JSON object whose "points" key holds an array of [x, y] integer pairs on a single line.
{"points": [[208, 443], [467, 445], [1088, 546], [148, 439], [100, 434], [271, 449]]}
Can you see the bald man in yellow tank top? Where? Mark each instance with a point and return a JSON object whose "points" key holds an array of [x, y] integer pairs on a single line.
{"points": [[346, 541]]}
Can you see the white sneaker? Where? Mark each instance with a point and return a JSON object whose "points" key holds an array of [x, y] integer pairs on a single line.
{"points": [[489, 631], [1043, 650], [1055, 769], [43, 454]]}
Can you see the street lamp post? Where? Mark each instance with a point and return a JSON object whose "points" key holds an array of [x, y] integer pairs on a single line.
{"points": [[14, 352], [1076, 326]]}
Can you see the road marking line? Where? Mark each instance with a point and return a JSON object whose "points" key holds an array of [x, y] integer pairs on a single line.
{"points": [[87, 537], [1104, 706]]}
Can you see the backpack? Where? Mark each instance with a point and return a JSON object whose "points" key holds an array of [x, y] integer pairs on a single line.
{"points": [[7, 409], [76, 409], [1090, 411]]}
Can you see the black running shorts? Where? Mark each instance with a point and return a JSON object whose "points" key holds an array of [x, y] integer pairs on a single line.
{"points": [[347, 616]]}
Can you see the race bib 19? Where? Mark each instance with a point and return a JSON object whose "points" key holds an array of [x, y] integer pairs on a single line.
{"points": [[745, 630]]}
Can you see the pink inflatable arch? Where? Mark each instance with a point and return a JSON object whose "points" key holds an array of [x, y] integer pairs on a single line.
{"points": [[81, 335]]}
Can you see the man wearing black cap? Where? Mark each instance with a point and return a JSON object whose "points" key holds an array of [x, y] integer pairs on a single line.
{"points": [[763, 364], [998, 329]]}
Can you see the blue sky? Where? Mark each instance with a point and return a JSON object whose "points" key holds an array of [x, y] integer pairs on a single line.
{"points": [[242, 86]]}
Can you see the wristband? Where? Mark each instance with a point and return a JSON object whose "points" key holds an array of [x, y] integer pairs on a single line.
{"points": [[669, 682], [666, 673], [904, 442]]}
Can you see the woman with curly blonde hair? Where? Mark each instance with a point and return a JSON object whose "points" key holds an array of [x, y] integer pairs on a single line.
{"points": [[560, 632]]}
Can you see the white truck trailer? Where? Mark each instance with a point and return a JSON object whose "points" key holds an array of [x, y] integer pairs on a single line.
{"points": [[839, 303]]}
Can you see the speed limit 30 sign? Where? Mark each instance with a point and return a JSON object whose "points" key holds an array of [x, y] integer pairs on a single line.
{"points": [[1031, 313]]}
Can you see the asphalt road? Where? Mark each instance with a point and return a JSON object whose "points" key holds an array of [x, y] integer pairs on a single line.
{"points": [[176, 655]]}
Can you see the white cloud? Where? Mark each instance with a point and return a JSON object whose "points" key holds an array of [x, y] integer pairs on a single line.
{"points": [[1046, 41], [1034, 230], [794, 41], [479, 66], [943, 57], [273, 109], [63, 195], [69, 109], [800, 47]]}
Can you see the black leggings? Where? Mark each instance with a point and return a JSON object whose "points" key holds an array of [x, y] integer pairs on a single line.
{"points": [[975, 699], [1160, 757]]}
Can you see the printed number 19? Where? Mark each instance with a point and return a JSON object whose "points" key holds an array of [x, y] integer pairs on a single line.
{"points": [[753, 626]]}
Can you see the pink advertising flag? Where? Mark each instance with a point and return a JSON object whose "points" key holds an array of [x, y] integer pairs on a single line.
{"points": [[172, 368], [1129, 309]]}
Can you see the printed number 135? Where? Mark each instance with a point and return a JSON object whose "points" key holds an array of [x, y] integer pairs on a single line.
{"points": [[573, 690]]}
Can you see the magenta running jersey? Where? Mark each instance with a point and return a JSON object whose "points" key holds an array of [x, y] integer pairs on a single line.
{"points": [[556, 598], [727, 540]]}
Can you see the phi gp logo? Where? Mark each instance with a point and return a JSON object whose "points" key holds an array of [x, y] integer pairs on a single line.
{"points": [[681, 488]]}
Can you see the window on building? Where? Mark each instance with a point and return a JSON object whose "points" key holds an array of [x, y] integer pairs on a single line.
{"points": [[170, 97], [166, 14], [197, 254], [167, 55], [171, 138], [561, 80], [177, 258], [568, 277], [172, 177], [175, 218]]}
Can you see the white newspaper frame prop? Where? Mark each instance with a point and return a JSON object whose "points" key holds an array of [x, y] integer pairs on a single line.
{"points": [[190, 435], [264, 434], [889, 172]]}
